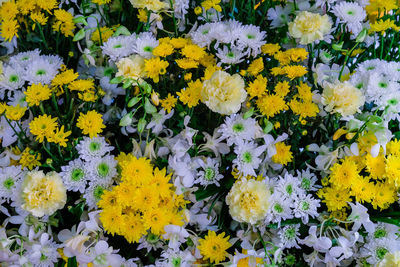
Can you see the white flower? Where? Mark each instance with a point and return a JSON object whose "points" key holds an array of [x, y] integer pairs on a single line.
{"points": [[214, 144], [175, 258], [185, 170], [289, 186], [104, 256], [305, 206], [279, 209], [90, 148], [145, 43], [352, 14], [176, 235], [119, 47], [111, 90], [41, 71], [251, 37], [209, 173], [359, 215], [18, 98], [7, 134], [10, 178], [23, 59], [93, 193], [103, 169], [289, 236], [248, 157], [230, 56], [45, 253], [320, 244], [344, 250], [237, 129], [75, 175], [279, 15], [157, 121], [376, 250], [11, 79], [307, 180]]}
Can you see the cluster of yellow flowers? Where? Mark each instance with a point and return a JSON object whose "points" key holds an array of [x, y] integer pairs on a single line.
{"points": [[33, 14], [44, 126], [364, 178], [144, 202]]}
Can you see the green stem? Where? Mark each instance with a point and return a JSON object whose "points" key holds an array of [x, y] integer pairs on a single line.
{"points": [[42, 36], [173, 17]]}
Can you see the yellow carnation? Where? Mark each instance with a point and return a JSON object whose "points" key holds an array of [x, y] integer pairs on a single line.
{"points": [[131, 67], [43, 194], [248, 201], [342, 98], [224, 93], [309, 27]]}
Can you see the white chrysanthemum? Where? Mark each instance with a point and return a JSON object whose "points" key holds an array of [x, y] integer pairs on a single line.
{"points": [[253, 38], [308, 180], [202, 36], [94, 192], [41, 71], [102, 169], [279, 209], [119, 47], [18, 98], [10, 178], [230, 56], [305, 206], [75, 175], [209, 173], [111, 90], [54, 60], [12, 78], [248, 157], [236, 129], [352, 14], [383, 230], [44, 253], [289, 236], [24, 59], [376, 250], [289, 186], [90, 148], [145, 43], [248, 201]]}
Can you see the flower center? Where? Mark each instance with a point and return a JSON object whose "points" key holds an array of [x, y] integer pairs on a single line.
{"points": [[77, 174], [247, 157], [209, 174]]}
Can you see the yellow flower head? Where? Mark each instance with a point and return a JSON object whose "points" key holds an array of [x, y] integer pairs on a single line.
{"points": [[270, 49], [271, 105], [283, 154], [8, 10], [90, 123], [310, 27], [155, 67], [38, 17], [59, 137], [30, 159], [15, 113], [248, 201], [9, 29], [153, 5], [64, 78], [43, 126], [258, 87], [192, 94], [64, 22], [334, 198], [294, 71], [131, 67], [103, 35], [81, 85], [256, 66], [163, 50], [213, 247], [43, 194], [37, 93], [168, 103], [343, 174], [224, 93], [193, 51]]}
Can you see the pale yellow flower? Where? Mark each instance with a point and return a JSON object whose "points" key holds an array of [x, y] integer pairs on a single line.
{"points": [[223, 93], [342, 97], [248, 201], [310, 27], [43, 194], [131, 67], [390, 260], [153, 5]]}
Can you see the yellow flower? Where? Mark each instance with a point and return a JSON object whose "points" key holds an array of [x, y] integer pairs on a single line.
{"points": [[383, 25], [47, 5], [101, 2], [271, 105], [90, 123], [282, 88], [9, 29], [187, 63], [59, 137], [168, 103], [193, 51], [25, 6], [192, 94], [393, 147], [163, 50], [156, 219], [207, 4], [153, 5], [105, 33], [43, 126], [142, 15], [294, 71], [376, 165], [377, 8], [64, 77], [343, 174], [270, 49], [131, 67], [256, 66], [198, 10], [155, 67], [8, 10], [64, 22], [30, 159], [384, 195], [248, 201], [38, 17], [43, 194], [393, 169], [15, 113], [37, 93], [310, 27], [343, 98], [334, 198], [283, 154], [258, 87], [214, 246], [362, 189], [81, 85], [223, 93], [179, 42]]}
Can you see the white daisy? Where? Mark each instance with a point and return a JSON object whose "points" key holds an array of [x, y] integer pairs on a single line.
{"points": [[102, 169], [236, 129], [289, 236], [74, 175], [202, 36], [230, 56], [279, 209], [90, 148], [11, 79], [305, 206], [289, 186], [308, 180], [145, 43], [10, 177], [248, 157], [23, 59], [41, 71], [94, 192], [251, 39], [119, 47], [209, 173], [352, 14]]}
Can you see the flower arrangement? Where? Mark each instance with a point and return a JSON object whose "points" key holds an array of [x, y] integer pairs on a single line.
{"points": [[199, 133]]}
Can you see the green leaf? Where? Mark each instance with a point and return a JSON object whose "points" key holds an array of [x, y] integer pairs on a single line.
{"points": [[127, 83], [80, 19], [117, 80], [121, 30], [148, 107], [79, 35], [141, 124], [133, 101], [77, 210], [206, 192], [72, 262]]}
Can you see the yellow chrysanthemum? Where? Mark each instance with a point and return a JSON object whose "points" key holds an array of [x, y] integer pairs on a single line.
{"points": [[376, 166], [64, 22], [30, 159], [81, 85], [59, 137], [258, 87], [283, 154], [294, 71], [36, 93], [155, 67], [192, 94], [38, 17], [208, 4], [64, 78], [282, 88], [256, 66], [43, 126], [43, 194], [132, 67], [168, 103], [271, 105], [393, 169], [187, 63], [270, 49], [8, 10], [343, 174], [163, 50], [15, 113], [90, 123], [393, 147], [384, 195], [213, 247], [334, 197], [362, 189], [9, 29], [193, 51], [103, 35]]}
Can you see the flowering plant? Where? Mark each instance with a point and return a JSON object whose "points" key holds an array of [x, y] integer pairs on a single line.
{"points": [[199, 133]]}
